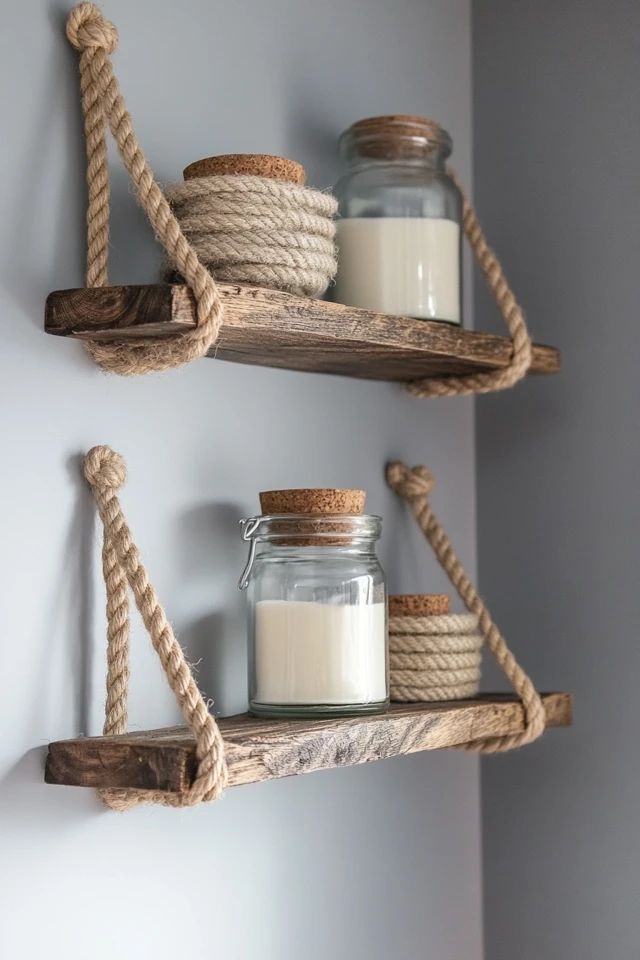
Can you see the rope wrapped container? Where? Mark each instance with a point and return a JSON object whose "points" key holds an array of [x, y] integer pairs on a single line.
{"points": [[261, 227], [432, 656]]}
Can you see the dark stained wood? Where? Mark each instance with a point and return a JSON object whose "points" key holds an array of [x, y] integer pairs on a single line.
{"points": [[261, 749], [274, 329]]}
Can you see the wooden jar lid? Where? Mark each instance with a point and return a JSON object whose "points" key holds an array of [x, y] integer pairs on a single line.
{"points": [[418, 605], [327, 500], [249, 164]]}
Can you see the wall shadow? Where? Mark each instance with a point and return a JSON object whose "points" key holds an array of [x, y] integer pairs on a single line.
{"points": [[210, 555]]}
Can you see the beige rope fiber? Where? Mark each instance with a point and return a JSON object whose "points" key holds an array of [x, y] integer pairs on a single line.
{"points": [[102, 103], [303, 261], [415, 486], [511, 312], [105, 472], [434, 657], [256, 230]]}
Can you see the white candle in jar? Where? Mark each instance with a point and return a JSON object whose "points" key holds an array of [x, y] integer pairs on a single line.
{"points": [[401, 265], [320, 653]]}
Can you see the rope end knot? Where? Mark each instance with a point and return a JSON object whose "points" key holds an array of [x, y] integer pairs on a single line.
{"points": [[104, 468], [88, 29], [410, 483]]}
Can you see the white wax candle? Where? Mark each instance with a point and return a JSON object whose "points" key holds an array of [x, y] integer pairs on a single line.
{"points": [[319, 653], [401, 265]]}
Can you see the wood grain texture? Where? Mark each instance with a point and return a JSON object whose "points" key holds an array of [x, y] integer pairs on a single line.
{"points": [[261, 749], [274, 329]]}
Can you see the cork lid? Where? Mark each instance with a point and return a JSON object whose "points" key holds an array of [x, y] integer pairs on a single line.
{"points": [[248, 164], [396, 136], [418, 605], [318, 501]]}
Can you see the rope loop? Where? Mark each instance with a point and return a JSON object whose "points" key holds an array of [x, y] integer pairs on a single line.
{"points": [[410, 484], [415, 485], [103, 105], [88, 28], [105, 471], [512, 314]]}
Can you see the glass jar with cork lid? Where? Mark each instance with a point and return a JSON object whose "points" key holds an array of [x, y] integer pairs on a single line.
{"points": [[399, 236], [317, 607]]}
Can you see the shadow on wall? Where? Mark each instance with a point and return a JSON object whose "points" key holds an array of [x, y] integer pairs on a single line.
{"points": [[73, 605], [210, 554], [46, 212], [42, 211], [32, 805], [214, 643]]}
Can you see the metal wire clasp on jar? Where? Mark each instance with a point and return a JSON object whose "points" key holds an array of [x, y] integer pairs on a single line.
{"points": [[318, 640]]}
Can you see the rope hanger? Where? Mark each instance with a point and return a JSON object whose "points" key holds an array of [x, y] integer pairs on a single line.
{"points": [[415, 486], [105, 471], [103, 105]]}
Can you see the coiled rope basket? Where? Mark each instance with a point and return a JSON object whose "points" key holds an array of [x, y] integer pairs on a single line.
{"points": [[256, 229], [433, 654]]}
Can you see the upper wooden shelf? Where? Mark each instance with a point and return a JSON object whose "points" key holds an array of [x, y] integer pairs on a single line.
{"points": [[258, 749], [273, 329]]}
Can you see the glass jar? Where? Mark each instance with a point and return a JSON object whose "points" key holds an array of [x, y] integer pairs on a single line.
{"points": [[318, 638], [399, 236]]}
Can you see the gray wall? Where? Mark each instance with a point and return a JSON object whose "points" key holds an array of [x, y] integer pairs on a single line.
{"points": [[369, 862], [557, 142]]}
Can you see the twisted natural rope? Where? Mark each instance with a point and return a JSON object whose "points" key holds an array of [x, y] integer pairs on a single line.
{"points": [[450, 678], [425, 693], [257, 230], [102, 103], [434, 657], [441, 625], [425, 644], [415, 486], [244, 249], [434, 662], [510, 310], [106, 472]]}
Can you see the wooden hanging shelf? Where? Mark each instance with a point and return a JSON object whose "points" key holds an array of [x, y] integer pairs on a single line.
{"points": [[258, 749], [273, 329]]}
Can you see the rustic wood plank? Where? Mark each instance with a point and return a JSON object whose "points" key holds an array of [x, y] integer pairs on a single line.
{"points": [[274, 329], [261, 749]]}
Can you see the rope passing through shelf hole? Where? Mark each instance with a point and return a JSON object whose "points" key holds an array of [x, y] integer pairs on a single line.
{"points": [[415, 486]]}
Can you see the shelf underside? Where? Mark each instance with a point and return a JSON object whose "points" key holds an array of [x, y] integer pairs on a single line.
{"points": [[258, 749], [273, 329]]}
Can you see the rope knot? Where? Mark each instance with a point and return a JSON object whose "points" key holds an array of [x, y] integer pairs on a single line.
{"points": [[412, 484], [88, 29], [104, 468]]}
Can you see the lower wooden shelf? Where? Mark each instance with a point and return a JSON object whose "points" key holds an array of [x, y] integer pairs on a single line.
{"points": [[259, 750]]}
